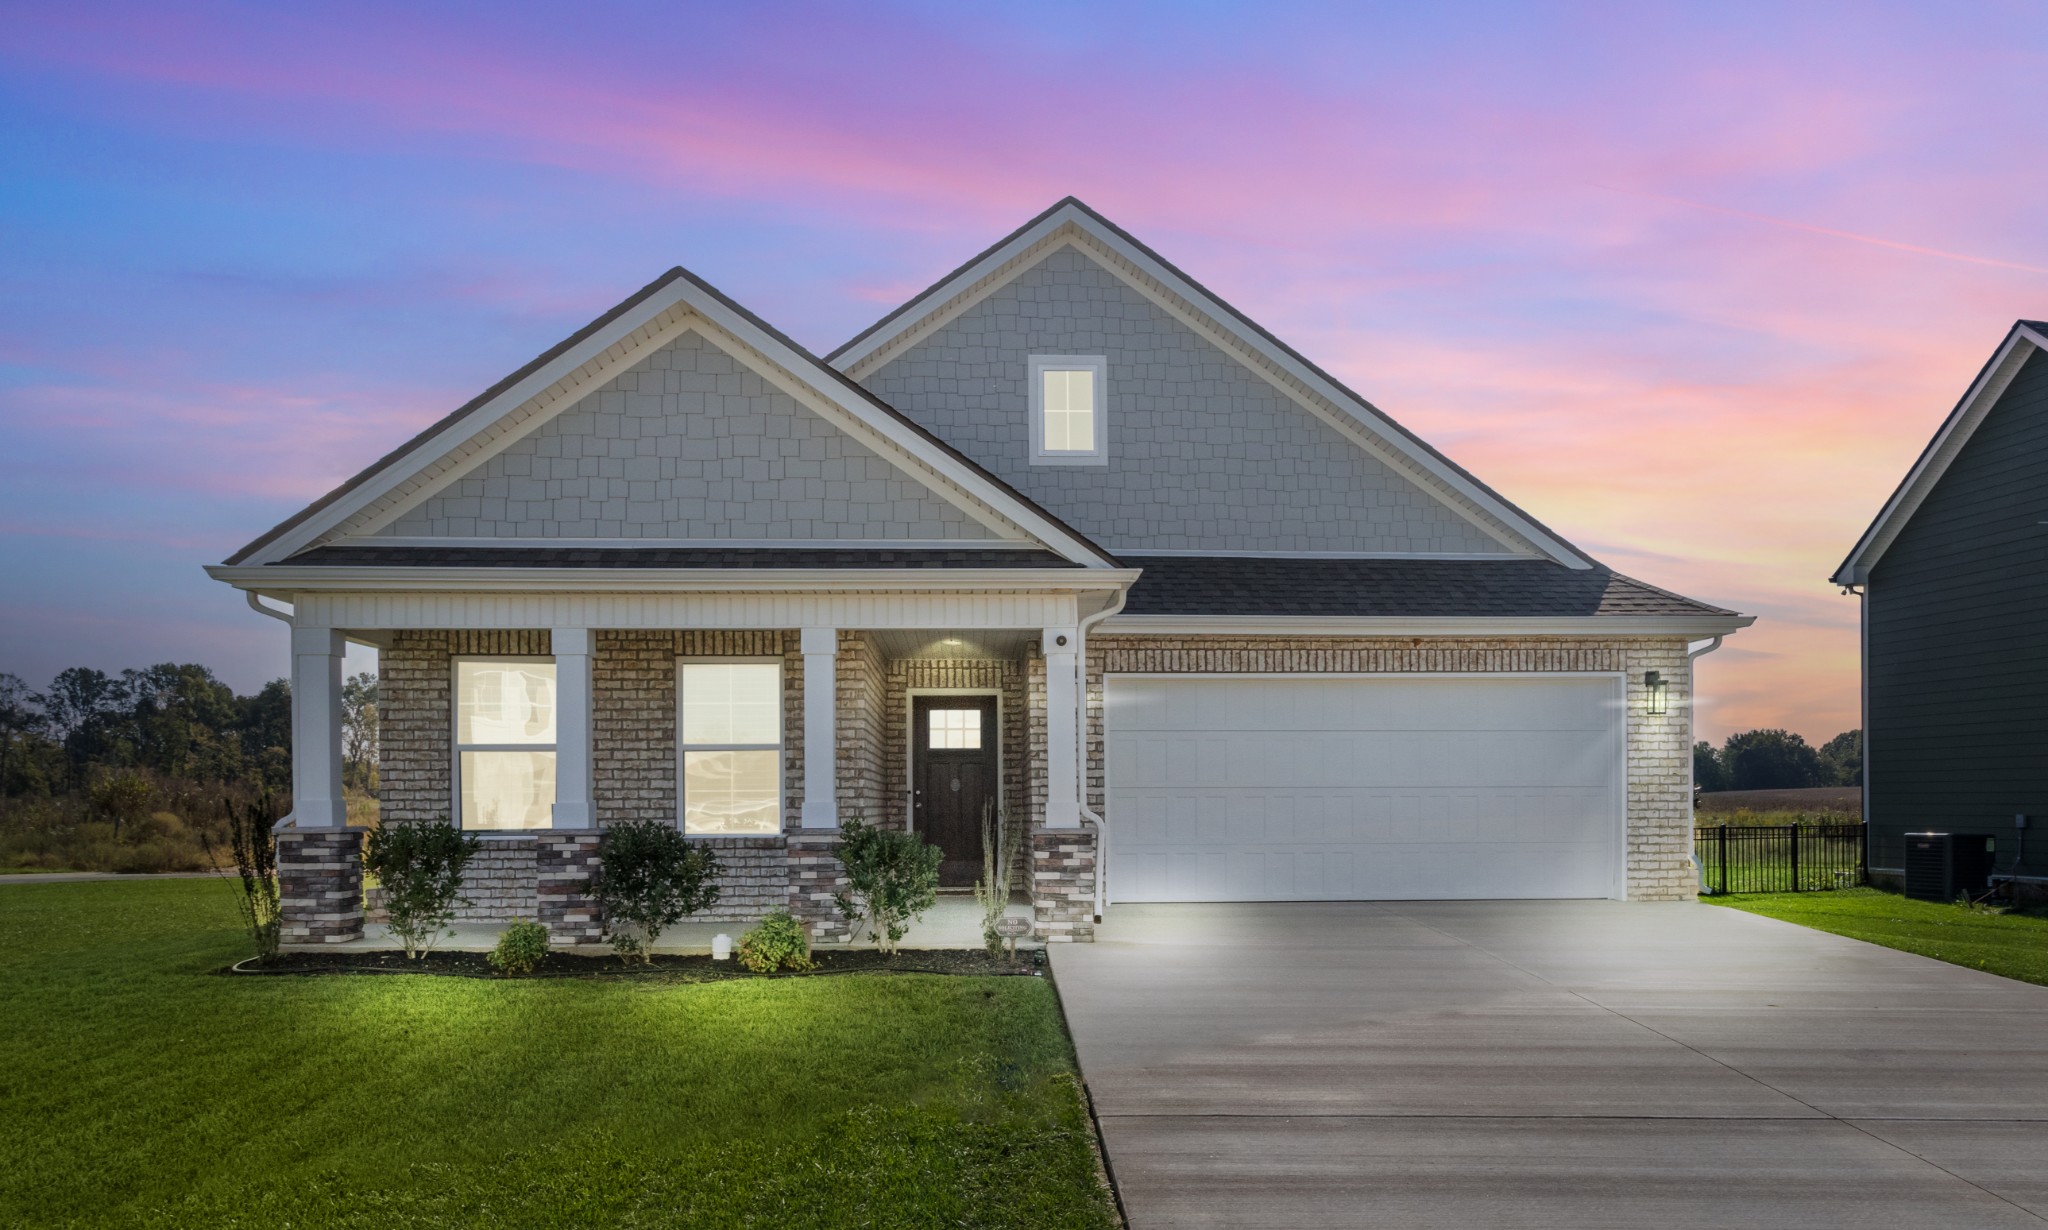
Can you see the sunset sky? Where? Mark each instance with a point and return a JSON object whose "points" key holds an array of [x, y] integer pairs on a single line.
{"points": [[1692, 285]]}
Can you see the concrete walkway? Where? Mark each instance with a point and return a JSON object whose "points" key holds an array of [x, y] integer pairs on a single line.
{"points": [[1552, 1064]]}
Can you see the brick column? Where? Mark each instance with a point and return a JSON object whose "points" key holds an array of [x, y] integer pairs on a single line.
{"points": [[1063, 884], [815, 873], [320, 885], [563, 862]]}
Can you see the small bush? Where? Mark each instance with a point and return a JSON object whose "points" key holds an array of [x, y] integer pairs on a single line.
{"points": [[521, 949], [892, 878], [777, 942], [650, 877], [419, 865], [253, 847]]}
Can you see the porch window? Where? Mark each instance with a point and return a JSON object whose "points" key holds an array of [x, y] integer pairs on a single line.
{"points": [[954, 728], [730, 741], [1068, 425], [505, 742]]}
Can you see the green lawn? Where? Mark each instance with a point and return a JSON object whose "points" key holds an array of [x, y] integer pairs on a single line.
{"points": [[2014, 945], [137, 1088]]}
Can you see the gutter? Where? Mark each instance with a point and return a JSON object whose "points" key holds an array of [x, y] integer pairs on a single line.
{"points": [[1081, 743], [278, 579]]}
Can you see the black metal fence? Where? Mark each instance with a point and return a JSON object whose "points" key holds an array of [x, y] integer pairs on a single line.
{"points": [[1779, 858]]}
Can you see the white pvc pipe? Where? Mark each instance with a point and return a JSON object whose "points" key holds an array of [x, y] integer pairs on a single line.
{"points": [[1081, 743]]}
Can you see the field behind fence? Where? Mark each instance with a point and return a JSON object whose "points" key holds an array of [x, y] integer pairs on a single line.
{"points": [[1779, 858]]}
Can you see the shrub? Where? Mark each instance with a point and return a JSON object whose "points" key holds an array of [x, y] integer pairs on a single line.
{"points": [[998, 865], [253, 846], [777, 942], [521, 949], [649, 878], [891, 879], [419, 864]]}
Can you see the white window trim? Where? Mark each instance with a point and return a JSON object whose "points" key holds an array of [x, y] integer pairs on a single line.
{"points": [[457, 746], [1039, 365], [780, 747]]}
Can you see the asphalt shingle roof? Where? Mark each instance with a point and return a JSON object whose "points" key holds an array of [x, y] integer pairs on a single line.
{"points": [[672, 557], [1365, 588]]}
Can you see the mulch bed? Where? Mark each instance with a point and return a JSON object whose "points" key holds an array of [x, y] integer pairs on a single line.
{"points": [[968, 961]]}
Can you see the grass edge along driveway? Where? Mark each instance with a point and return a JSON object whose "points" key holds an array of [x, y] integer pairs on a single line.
{"points": [[2007, 944], [142, 1088]]}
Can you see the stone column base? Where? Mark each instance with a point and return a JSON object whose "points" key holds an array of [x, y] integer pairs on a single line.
{"points": [[320, 885], [1063, 885], [563, 862], [815, 874]]}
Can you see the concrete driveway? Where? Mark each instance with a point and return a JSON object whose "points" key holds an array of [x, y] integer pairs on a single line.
{"points": [[1557, 1064]]}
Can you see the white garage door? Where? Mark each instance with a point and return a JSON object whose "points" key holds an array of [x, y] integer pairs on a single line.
{"points": [[1342, 788]]}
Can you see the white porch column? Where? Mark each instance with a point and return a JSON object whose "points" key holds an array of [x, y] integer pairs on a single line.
{"points": [[317, 801], [821, 728], [573, 806], [1062, 767]]}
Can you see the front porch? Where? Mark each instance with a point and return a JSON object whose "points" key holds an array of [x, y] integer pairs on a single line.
{"points": [[912, 727]]}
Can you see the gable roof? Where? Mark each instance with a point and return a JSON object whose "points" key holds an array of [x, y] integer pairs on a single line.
{"points": [[1391, 588], [636, 324], [1157, 278], [2021, 341]]}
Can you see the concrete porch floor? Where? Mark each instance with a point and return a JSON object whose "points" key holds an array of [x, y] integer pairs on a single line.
{"points": [[955, 922]]}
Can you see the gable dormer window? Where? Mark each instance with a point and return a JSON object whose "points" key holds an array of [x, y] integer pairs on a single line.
{"points": [[1069, 420]]}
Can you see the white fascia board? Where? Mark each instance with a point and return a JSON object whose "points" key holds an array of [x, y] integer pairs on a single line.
{"points": [[437, 447], [1363, 416], [923, 450], [1940, 453], [281, 581], [1321, 625]]}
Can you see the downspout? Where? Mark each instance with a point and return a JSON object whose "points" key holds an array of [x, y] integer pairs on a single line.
{"points": [[1081, 743], [1691, 782], [256, 604]]}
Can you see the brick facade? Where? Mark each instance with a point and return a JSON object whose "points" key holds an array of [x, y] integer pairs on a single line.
{"points": [[320, 885], [564, 861], [1063, 885], [634, 752]]}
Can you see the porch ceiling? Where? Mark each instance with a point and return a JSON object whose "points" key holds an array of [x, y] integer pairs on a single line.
{"points": [[1003, 643]]}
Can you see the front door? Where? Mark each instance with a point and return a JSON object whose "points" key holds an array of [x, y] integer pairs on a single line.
{"points": [[952, 778]]}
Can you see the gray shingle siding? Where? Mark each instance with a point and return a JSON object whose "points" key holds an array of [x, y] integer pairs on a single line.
{"points": [[1203, 454], [690, 443], [1957, 660]]}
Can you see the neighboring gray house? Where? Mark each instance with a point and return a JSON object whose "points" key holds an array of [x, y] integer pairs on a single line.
{"points": [[1954, 579], [1064, 531]]}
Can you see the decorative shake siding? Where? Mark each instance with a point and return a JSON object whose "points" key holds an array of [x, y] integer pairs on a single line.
{"points": [[690, 443], [1006, 680], [1203, 452], [415, 694], [1659, 759]]}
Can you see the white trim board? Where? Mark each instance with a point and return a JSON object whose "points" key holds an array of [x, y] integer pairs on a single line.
{"points": [[1072, 223], [2019, 345]]}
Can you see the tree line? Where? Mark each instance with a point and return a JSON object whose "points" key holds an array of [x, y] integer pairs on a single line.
{"points": [[172, 721], [1775, 759]]}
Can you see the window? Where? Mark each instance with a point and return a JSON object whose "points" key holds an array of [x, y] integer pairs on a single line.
{"points": [[954, 728], [1069, 420], [730, 741], [505, 742]]}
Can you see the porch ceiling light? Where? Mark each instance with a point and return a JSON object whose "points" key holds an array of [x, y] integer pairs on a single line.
{"points": [[1656, 693]]}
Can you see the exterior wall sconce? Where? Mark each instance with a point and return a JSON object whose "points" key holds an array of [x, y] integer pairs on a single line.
{"points": [[1656, 693]]}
